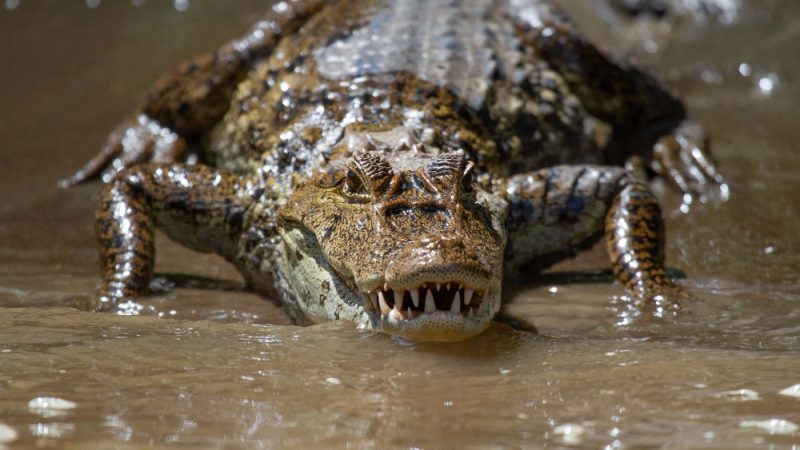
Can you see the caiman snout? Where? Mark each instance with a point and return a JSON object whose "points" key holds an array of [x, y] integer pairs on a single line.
{"points": [[436, 274], [438, 260]]}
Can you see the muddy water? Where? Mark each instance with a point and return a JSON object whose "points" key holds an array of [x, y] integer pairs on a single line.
{"points": [[227, 370]]}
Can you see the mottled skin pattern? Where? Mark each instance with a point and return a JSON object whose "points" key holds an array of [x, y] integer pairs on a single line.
{"points": [[389, 163]]}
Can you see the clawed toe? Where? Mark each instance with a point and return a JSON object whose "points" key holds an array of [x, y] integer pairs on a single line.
{"points": [[684, 159]]}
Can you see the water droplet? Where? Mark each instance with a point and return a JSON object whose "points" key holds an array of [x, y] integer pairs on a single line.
{"points": [[181, 5], [745, 70], [768, 83], [281, 8]]}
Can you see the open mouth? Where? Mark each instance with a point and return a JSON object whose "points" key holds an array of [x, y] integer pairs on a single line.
{"points": [[428, 298]]}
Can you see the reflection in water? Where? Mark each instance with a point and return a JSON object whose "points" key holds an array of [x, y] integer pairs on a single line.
{"points": [[137, 379], [227, 371]]}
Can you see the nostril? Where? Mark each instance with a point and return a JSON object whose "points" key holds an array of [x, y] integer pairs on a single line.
{"points": [[449, 242], [431, 208]]}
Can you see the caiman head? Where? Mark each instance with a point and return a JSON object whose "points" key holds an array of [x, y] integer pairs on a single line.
{"points": [[399, 239]]}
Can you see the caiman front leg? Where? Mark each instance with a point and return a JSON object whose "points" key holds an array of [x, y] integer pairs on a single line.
{"points": [[185, 104], [196, 206], [556, 212]]}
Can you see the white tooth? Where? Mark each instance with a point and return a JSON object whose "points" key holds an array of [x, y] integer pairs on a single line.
{"points": [[398, 299], [467, 296], [438, 286], [396, 315], [448, 286], [385, 286], [430, 304], [373, 297], [469, 313], [456, 306], [415, 297], [382, 302]]}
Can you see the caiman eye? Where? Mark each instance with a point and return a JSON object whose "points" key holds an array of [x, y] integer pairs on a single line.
{"points": [[353, 184]]}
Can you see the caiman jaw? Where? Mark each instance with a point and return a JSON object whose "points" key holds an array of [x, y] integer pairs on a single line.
{"points": [[432, 311], [428, 298]]}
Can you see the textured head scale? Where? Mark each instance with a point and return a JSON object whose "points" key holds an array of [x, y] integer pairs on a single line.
{"points": [[376, 169], [446, 166]]}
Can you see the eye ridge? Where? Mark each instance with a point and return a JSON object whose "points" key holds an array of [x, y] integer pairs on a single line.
{"points": [[353, 185]]}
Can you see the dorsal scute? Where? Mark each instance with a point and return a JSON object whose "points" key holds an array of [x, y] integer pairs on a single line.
{"points": [[446, 166]]}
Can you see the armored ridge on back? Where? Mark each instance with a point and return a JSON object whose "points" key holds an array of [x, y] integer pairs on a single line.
{"points": [[390, 162]]}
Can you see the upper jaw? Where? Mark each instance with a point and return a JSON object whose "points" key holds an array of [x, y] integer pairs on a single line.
{"points": [[412, 301]]}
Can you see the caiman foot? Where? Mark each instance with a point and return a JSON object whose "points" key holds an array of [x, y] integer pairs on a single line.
{"points": [[683, 158]]}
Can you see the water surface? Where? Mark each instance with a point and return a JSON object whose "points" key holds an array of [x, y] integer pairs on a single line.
{"points": [[226, 369]]}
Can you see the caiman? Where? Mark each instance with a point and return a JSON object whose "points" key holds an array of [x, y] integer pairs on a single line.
{"points": [[391, 162]]}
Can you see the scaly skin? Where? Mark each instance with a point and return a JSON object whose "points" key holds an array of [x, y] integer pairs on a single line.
{"points": [[704, 10], [390, 163]]}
